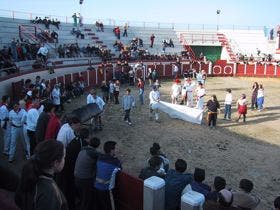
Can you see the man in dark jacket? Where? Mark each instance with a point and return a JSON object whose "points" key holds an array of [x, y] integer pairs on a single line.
{"points": [[85, 172], [152, 170], [197, 185], [175, 181]]}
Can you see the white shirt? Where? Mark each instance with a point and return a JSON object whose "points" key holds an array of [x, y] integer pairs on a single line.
{"points": [[43, 50], [65, 134], [176, 90], [56, 96], [260, 93], [116, 87], [100, 103], [200, 92], [154, 96], [199, 77], [31, 119], [4, 112], [16, 117], [228, 99]]}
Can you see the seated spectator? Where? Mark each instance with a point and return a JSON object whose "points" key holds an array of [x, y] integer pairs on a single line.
{"points": [[277, 203], [219, 184], [224, 202], [197, 185], [175, 181], [243, 198], [171, 43], [56, 23], [155, 151], [54, 36], [107, 166], [152, 170], [85, 172]]}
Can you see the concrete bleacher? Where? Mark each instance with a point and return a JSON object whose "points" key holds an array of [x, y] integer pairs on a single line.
{"points": [[9, 28], [247, 41]]}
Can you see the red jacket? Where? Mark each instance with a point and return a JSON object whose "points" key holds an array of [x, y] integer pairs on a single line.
{"points": [[53, 127]]}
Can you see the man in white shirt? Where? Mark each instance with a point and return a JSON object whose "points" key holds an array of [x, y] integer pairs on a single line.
{"points": [[31, 122], [15, 119], [175, 91], [175, 71], [43, 52], [67, 131], [91, 99], [56, 96], [5, 125], [154, 97], [200, 93], [228, 101]]}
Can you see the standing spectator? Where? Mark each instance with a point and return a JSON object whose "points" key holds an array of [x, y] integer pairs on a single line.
{"points": [[111, 90], [53, 126], [213, 107], [107, 166], [140, 86], [75, 17], [200, 93], [67, 131], [155, 75], [228, 101], [152, 39], [80, 20], [42, 122], [243, 198], [260, 97], [255, 89], [176, 90], [152, 169], [197, 185], [154, 97], [37, 188], [66, 179], [43, 53], [105, 91], [175, 181], [15, 119], [56, 97], [128, 102], [5, 125], [117, 91], [175, 71], [242, 107], [271, 33], [14, 50], [54, 36], [31, 122], [92, 98], [125, 30], [85, 173]]}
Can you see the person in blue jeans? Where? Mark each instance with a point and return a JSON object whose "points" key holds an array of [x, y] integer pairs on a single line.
{"points": [[228, 101], [141, 90], [260, 97]]}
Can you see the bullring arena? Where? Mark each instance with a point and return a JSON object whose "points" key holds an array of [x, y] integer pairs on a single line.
{"points": [[233, 150]]}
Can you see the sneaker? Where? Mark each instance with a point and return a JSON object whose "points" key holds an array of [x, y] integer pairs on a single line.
{"points": [[126, 121], [129, 123]]}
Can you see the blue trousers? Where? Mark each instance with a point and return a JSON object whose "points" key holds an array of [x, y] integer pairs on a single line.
{"points": [[260, 101], [227, 111]]}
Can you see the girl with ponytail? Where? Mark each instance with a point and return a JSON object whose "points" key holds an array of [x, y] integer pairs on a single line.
{"points": [[37, 189]]}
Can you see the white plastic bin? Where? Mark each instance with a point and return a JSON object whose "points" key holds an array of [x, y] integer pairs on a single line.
{"points": [[192, 200], [154, 193]]}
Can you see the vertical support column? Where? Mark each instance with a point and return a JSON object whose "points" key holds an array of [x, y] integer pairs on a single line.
{"points": [[275, 70], [96, 75], [210, 68], [255, 69], [164, 70], [245, 69], [154, 193], [265, 67], [234, 69]]}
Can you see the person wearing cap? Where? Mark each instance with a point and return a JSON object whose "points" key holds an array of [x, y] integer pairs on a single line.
{"points": [[224, 202], [175, 91], [154, 97], [5, 125], [243, 197], [15, 119], [200, 93]]}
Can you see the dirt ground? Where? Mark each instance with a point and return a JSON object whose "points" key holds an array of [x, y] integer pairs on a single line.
{"points": [[233, 150]]}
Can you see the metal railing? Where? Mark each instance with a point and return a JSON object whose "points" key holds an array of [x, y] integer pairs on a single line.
{"points": [[115, 22]]}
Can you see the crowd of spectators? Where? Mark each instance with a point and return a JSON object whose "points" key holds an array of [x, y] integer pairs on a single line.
{"points": [[47, 22], [78, 33], [259, 58]]}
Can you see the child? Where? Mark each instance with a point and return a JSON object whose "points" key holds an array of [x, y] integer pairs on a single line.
{"points": [[242, 107], [128, 102], [260, 97], [228, 101]]}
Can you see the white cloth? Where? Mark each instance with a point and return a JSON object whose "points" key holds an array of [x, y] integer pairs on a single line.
{"points": [[100, 103], [180, 112], [111, 87], [31, 119], [65, 134], [56, 96], [4, 113], [154, 96], [228, 99]]}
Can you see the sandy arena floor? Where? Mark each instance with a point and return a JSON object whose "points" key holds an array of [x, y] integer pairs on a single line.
{"points": [[233, 150]]}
